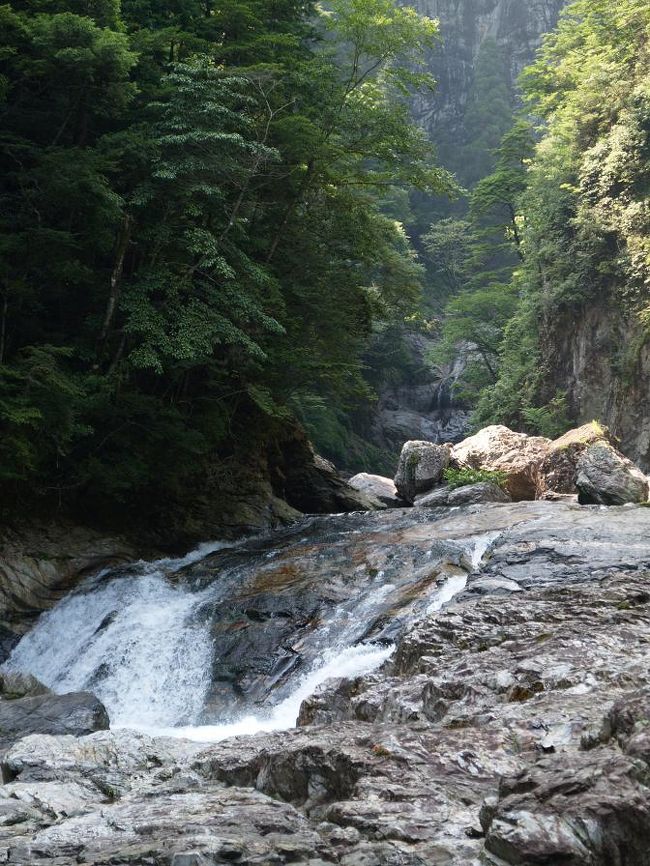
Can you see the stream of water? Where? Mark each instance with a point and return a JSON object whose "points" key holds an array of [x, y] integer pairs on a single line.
{"points": [[140, 642]]}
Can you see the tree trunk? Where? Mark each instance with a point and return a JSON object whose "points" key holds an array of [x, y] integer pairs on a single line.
{"points": [[3, 326], [123, 239], [293, 204]]}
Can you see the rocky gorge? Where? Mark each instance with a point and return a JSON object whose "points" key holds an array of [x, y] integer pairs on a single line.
{"points": [[430, 685]]}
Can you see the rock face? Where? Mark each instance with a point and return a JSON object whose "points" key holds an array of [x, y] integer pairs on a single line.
{"points": [[511, 727], [40, 563], [606, 477], [584, 349], [420, 467], [470, 494], [377, 487], [517, 27], [420, 404], [499, 449]]}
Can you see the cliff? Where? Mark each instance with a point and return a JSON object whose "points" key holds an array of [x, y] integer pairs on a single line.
{"points": [[517, 27], [600, 358]]}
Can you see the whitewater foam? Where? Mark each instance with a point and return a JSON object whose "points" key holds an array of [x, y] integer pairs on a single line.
{"points": [[141, 644]]}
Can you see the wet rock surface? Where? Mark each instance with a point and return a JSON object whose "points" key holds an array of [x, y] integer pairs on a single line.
{"points": [[511, 727]]}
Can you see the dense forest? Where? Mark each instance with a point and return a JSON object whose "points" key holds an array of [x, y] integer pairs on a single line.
{"points": [[200, 208], [218, 217]]}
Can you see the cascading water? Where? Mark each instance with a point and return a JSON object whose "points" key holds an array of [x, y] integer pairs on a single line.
{"points": [[142, 642], [133, 640]]}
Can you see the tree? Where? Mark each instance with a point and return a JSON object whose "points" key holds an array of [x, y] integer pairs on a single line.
{"points": [[584, 225], [474, 260], [200, 189]]}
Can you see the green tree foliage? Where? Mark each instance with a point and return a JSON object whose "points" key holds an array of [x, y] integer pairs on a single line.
{"points": [[586, 205], [193, 243], [488, 115], [472, 263]]}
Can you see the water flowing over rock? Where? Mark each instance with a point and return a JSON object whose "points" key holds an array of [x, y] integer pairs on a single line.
{"points": [[508, 723], [40, 563], [422, 404]]}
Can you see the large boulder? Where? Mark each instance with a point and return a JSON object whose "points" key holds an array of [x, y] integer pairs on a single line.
{"points": [[559, 468], [499, 449], [606, 477], [421, 466], [469, 494], [77, 713], [377, 487]]}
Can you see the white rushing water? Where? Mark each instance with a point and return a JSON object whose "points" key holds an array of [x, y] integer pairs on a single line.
{"points": [[133, 640], [139, 642]]}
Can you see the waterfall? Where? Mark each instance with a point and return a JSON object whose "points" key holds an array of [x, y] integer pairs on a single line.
{"points": [[142, 643]]}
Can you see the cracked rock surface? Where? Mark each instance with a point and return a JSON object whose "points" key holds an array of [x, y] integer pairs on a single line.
{"points": [[512, 727]]}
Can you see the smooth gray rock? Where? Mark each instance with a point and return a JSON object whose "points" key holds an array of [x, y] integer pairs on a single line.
{"points": [[377, 487], [470, 494], [77, 713], [606, 477], [421, 466]]}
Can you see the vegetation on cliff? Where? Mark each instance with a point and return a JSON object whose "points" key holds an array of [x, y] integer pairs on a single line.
{"points": [[582, 211]]}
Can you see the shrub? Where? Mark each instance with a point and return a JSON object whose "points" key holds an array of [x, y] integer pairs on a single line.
{"points": [[463, 477]]}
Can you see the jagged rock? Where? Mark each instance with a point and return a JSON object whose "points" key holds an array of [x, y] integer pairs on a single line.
{"points": [[499, 449], [420, 467], [510, 727], [39, 563], [470, 494], [558, 470], [186, 828], [605, 477], [77, 713], [587, 813], [377, 487]]}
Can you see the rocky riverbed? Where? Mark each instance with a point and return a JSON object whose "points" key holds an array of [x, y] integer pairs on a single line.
{"points": [[511, 726]]}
